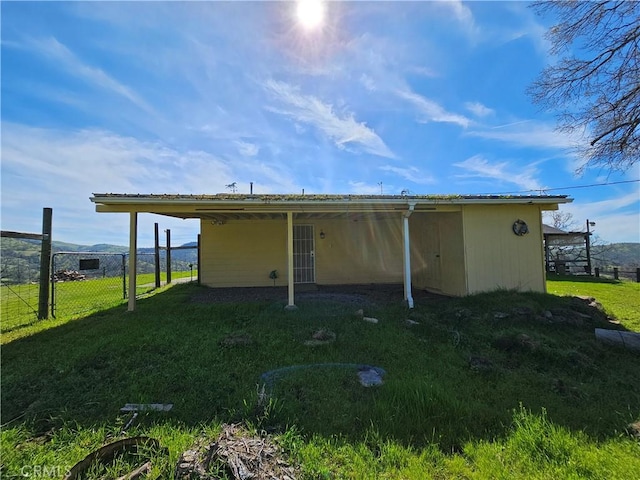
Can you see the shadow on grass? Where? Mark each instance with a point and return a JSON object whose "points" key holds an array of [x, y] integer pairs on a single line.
{"points": [[582, 279], [456, 374]]}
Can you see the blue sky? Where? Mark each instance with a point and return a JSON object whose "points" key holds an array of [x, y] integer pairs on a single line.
{"points": [[163, 97]]}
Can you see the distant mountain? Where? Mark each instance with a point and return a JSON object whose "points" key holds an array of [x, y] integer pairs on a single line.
{"points": [[625, 255]]}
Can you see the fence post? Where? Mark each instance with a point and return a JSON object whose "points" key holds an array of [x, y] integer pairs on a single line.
{"points": [[198, 259], [156, 252], [168, 256], [597, 272], [53, 287], [45, 264], [124, 276], [616, 274]]}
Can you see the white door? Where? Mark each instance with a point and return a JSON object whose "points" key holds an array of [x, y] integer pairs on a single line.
{"points": [[304, 265], [433, 261]]}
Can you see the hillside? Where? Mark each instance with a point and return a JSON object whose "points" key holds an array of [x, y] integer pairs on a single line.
{"points": [[617, 255], [20, 259]]}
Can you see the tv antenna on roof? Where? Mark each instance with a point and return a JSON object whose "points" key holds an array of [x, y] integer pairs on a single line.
{"points": [[233, 187]]}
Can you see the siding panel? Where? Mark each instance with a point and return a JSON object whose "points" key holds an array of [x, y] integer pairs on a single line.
{"points": [[243, 253], [364, 251], [496, 257]]}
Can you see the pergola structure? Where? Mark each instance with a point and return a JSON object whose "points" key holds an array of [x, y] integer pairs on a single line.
{"points": [[555, 238]]}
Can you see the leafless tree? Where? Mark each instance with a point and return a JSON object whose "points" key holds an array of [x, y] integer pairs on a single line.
{"points": [[559, 219], [595, 85]]}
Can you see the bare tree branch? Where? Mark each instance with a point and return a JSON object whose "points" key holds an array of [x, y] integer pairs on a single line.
{"points": [[595, 85]]}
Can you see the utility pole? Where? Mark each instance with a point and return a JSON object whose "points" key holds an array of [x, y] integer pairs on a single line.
{"points": [[588, 245]]}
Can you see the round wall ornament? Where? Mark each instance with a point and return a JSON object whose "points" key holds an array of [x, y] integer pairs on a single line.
{"points": [[520, 227]]}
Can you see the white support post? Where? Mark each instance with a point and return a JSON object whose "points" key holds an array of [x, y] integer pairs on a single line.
{"points": [[407, 255], [291, 304], [133, 248]]}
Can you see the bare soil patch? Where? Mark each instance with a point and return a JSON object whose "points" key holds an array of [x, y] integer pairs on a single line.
{"points": [[366, 295]]}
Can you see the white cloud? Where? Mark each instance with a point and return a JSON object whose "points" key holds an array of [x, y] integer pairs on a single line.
{"points": [[61, 169], [431, 111], [368, 82], [478, 109], [247, 149], [528, 133], [603, 208], [56, 51], [617, 218], [479, 167], [529, 27], [343, 129], [422, 71], [362, 188], [410, 173], [462, 13]]}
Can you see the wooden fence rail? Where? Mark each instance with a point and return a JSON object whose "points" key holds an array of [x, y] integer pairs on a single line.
{"points": [[616, 273]]}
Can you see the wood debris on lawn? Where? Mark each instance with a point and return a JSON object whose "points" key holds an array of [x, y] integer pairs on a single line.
{"points": [[147, 407], [245, 456], [321, 337]]}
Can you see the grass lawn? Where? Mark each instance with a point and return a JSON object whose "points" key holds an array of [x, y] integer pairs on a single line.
{"points": [[481, 387], [19, 303], [620, 299]]}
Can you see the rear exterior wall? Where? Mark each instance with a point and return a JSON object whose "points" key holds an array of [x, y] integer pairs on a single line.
{"points": [[242, 253], [359, 251], [454, 253], [496, 258]]}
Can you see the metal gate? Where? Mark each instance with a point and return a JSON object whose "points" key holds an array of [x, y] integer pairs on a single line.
{"points": [[304, 265], [19, 281]]}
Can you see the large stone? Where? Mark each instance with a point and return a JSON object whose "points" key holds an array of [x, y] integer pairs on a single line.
{"points": [[370, 377]]}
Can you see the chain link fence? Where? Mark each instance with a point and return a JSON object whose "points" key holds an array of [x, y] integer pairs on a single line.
{"points": [[82, 282], [86, 281]]}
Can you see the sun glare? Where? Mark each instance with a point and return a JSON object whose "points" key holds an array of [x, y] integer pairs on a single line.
{"points": [[310, 13]]}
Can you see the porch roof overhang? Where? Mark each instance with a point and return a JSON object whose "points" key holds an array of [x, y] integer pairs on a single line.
{"points": [[239, 206], [555, 236]]}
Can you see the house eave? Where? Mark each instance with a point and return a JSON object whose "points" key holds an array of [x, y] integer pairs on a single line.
{"points": [[194, 206]]}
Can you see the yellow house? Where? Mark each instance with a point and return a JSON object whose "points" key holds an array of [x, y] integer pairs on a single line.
{"points": [[454, 245]]}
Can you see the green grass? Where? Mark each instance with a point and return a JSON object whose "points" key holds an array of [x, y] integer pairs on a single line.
{"points": [[553, 407], [19, 303], [621, 299]]}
